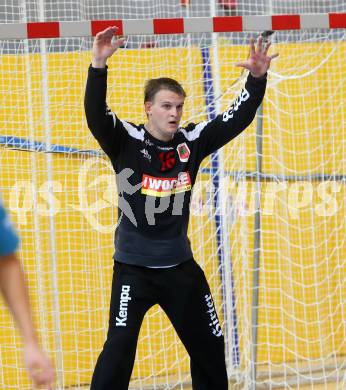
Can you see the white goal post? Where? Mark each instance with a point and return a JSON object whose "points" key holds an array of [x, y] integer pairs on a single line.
{"points": [[267, 212]]}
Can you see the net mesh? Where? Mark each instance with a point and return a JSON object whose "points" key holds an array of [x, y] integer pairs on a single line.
{"points": [[60, 190]]}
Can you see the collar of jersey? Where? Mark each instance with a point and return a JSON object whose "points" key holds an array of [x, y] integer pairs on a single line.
{"points": [[157, 141]]}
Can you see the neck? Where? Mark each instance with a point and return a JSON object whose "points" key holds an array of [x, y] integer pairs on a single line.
{"points": [[157, 134]]}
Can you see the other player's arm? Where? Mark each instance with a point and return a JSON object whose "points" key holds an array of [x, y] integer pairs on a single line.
{"points": [[14, 291]]}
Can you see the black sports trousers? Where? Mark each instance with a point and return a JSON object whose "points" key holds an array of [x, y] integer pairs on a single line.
{"points": [[183, 293]]}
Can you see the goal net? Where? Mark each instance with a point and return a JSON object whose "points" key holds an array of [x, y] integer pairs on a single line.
{"points": [[267, 212]]}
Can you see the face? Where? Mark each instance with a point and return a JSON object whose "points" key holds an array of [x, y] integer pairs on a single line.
{"points": [[164, 114]]}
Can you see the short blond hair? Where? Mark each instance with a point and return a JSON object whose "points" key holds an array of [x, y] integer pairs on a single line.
{"points": [[153, 86]]}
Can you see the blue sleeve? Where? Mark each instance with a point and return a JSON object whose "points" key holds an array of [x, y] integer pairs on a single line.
{"points": [[8, 238]]}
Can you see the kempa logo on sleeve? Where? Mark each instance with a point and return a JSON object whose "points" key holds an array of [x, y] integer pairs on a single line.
{"points": [[124, 300], [243, 97]]}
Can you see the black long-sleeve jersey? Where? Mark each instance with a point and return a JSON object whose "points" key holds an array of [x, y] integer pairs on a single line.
{"points": [[155, 178]]}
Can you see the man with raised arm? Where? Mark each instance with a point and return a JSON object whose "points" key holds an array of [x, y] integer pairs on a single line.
{"points": [[156, 165], [14, 291]]}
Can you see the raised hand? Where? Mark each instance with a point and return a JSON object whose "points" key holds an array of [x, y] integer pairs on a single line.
{"points": [[258, 62], [104, 46]]}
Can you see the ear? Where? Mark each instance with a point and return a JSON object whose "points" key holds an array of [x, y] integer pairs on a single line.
{"points": [[147, 107]]}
